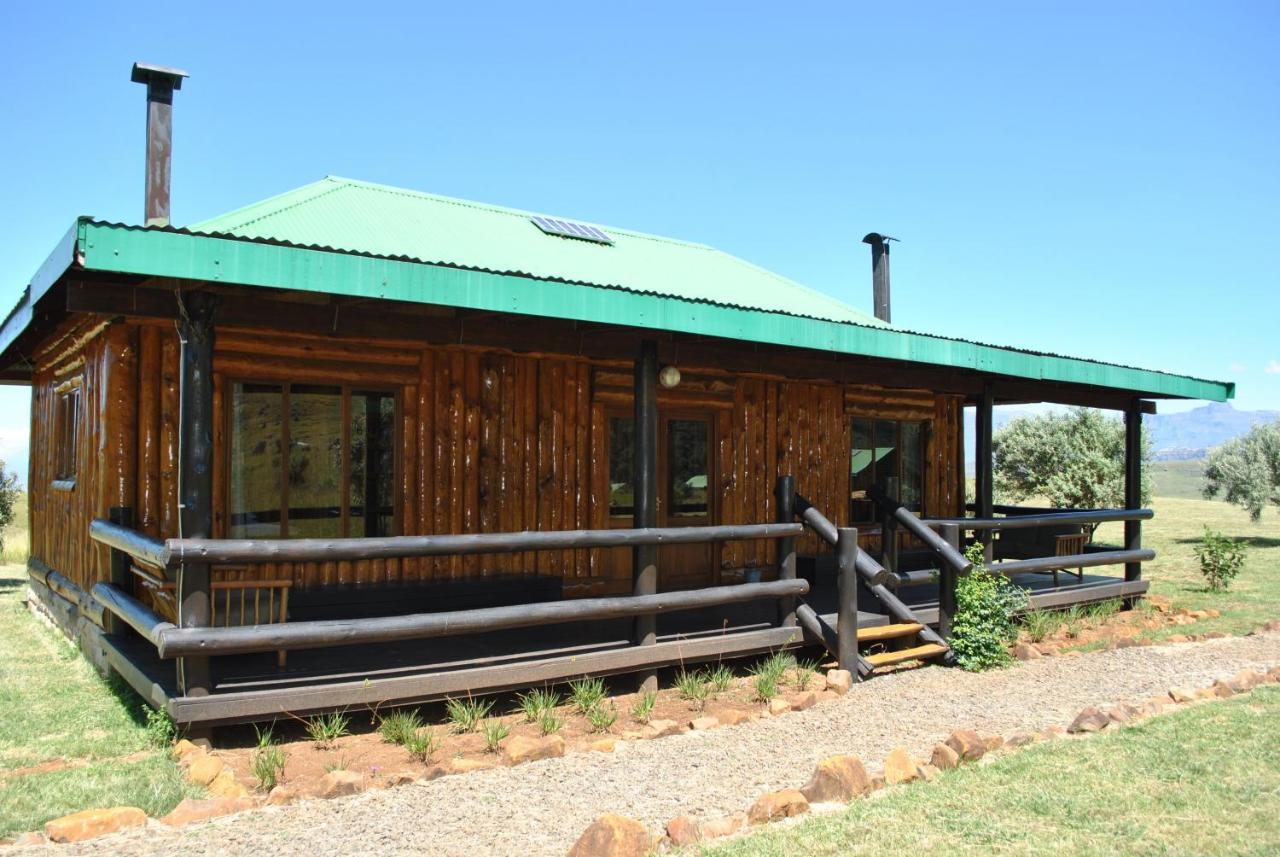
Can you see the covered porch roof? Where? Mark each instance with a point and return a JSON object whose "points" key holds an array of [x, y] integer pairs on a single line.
{"points": [[355, 240]]}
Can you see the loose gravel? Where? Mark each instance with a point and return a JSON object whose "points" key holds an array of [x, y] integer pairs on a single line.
{"points": [[542, 807]]}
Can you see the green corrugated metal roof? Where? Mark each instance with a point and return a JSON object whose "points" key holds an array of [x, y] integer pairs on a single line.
{"points": [[355, 216]]}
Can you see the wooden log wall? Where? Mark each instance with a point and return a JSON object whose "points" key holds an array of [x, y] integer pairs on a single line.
{"points": [[488, 441]]}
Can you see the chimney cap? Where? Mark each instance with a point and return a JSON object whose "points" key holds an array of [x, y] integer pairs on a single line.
{"points": [[148, 73], [876, 238]]}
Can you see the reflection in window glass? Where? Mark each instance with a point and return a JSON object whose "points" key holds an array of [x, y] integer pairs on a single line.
{"points": [[881, 449], [315, 462], [372, 464], [257, 440], [912, 480], [687, 472], [621, 460]]}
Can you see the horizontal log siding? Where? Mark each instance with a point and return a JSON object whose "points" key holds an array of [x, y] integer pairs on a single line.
{"points": [[489, 441]]}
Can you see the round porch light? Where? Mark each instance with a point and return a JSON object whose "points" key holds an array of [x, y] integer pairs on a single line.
{"points": [[669, 376]]}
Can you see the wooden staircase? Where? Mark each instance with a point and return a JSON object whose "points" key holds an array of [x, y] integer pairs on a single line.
{"points": [[876, 645]]}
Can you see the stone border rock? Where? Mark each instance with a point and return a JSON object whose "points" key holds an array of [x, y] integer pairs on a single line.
{"points": [[841, 779]]}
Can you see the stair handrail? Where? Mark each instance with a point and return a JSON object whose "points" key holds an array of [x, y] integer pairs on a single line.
{"points": [[872, 572], [934, 542]]}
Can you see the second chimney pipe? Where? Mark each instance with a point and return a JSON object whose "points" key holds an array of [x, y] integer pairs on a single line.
{"points": [[880, 273], [161, 83]]}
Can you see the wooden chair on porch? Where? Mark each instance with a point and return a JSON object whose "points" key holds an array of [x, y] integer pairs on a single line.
{"points": [[1071, 544]]}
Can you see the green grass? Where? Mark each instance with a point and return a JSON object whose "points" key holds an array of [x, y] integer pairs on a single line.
{"points": [[1201, 780], [1179, 479], [17, 538]]}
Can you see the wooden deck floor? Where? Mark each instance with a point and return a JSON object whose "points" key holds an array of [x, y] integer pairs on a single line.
{"points": [[251, 687]]}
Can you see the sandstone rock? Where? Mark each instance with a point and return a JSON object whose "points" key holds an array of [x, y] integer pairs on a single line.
{"points": [[281, 796], [837, 779], [1206, 693], [684, 830], [1126, 643], [80, 826], [944, 758], [435, 772], [1221, 689], [877, 782], [899, 767], [1244, 681], [466, 765], [1215, 635], [1178, 638], [993, 742], [1272, 626], [778, 705], [1021, 739], [803, 701], [1198, 614], [1047, 649], [28, 839], [340, 783], [840, 681], [1050, 732], [1274, 673], [520, 749], [1089, 719], [662, 728], [726, 826], [1073, 654], [733, 716], [967, 744], [1026, 652], [827, 695], [184, 751], [226, 785], [1182, 694], [698, 724], [927, 771], [204, 769], [192, 809], [613, 836], [1212, 613], [400, 778], [775, 805], [1123, 713], [604, 745], [1155, 705]]}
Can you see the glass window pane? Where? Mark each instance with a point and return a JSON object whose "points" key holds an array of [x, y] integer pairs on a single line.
{"points": [[687, 469], [256, 464], [862, 472], [621, 460], [315, 462], [912, 466], [886, 450], [372, 465]]}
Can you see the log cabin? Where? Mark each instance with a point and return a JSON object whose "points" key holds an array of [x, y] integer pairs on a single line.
{"points": [[357, 445]]}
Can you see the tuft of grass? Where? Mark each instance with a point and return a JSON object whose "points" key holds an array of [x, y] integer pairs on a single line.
{"points": [[422, 744], [602, 718], [768, 674], [399, 726], [268, 760], [494, 731], [338, 764], [466, 714], [642, 711], [536, 702], [764, 686], [803, 673], [160, 728], [720, 678], [693, 688], [549, 723], [586, 694], [1040, 625], [325, 729], [1101, 611]]}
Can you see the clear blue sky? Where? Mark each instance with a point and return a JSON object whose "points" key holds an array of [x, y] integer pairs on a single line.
{"points": [[1098, 179]]}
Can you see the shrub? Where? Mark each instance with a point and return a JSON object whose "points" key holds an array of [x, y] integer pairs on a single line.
{"points": [[536, 702], [586, 693], [643, 709], [268, 760], [399, 726], [494, 731], [160, 728], [692, 687], [324, 729], [983, 628], [601, 718], [465, 714], [1221, 559], [422, 744]]}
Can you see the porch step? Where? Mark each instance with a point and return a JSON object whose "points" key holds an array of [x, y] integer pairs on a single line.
{"points": [[888, 632], [884, 659]]}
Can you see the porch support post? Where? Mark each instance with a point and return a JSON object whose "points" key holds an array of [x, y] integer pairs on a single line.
{"points": [[785, 491], [645, 478], [847, 593], [889, 526], [983, 475], [1133, 483], [195, 474], [947, 583]]}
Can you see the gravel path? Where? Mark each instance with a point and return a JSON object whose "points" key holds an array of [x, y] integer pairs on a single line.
{"points": [[540, 808]]}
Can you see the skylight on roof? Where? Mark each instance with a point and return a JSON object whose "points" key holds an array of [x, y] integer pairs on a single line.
{"points": [[565, 229]]}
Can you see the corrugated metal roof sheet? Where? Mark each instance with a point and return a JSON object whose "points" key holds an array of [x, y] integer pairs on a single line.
{"points": [[354, 216]]}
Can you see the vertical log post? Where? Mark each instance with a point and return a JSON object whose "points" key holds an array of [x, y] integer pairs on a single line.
{"points": [[1133, 483], [947, 584], [984, 477], [120, 564], [645, 477], [195, 474], [785, 492], [889, 526], [847, 593]]}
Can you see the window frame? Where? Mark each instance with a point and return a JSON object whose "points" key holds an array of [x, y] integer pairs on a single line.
{"points": [[665, 415], [66, 432], [925, 429], [346, 390]]}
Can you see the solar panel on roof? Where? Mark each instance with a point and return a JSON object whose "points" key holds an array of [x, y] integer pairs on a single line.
{"points": [[565, 229]]}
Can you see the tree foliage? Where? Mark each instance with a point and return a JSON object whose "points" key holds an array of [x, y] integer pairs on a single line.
{"points": [[1246, 470], [983, 628], [9, 494], [1074, 460]]}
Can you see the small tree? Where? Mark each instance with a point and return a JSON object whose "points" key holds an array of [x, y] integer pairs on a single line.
{"points": [[9, 494], [1246, 470], [1221, 559], [1074, 460]]}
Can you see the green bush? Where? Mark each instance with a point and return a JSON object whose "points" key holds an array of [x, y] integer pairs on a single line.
{"points": [[983, 627], [1221, 559]]}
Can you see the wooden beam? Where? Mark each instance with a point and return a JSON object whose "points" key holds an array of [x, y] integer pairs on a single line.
{"points": [[984, 489], [847, 599], [644, 476], [1133, 484], [785, 494]]}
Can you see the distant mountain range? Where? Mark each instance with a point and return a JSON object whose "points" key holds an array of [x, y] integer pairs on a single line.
{"points": [[1180, 436]]}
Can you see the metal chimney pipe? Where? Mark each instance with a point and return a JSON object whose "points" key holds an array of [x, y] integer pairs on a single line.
{"points": [[161, 83], [880, 273]]}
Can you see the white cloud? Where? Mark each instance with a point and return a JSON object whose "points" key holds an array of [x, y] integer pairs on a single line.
{"points": [[1273, 368], [1237, 367]]}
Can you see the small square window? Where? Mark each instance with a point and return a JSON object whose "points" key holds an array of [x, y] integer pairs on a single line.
{"points": [[66, 431]]}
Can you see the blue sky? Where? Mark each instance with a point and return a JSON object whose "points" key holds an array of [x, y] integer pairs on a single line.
{"points": [[1098, 179]]}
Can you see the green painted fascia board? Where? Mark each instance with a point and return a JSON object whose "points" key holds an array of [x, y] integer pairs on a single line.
{"points": [[133, 250], [53, 267]]}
